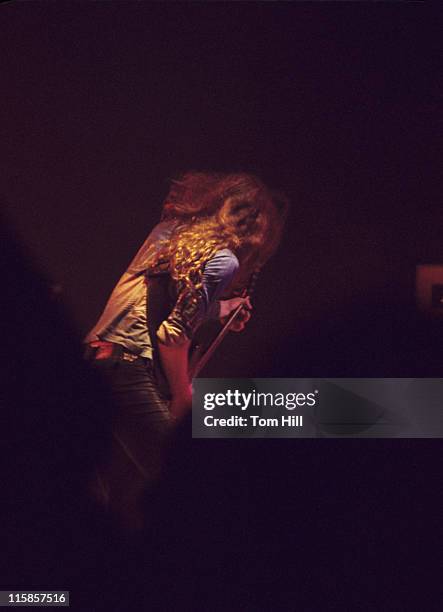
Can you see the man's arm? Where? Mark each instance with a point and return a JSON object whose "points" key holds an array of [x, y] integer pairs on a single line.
{"points": [[176, 332], [174, 359]]}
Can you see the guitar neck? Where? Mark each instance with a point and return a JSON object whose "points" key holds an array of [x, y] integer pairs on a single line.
{"points": [[196, 365]]}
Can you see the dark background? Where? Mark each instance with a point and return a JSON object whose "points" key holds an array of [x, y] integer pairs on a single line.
{"points": [[104, 102], [334, 103]]}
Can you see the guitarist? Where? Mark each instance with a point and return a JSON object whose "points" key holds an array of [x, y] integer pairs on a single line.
{"points": [[215, 230]]}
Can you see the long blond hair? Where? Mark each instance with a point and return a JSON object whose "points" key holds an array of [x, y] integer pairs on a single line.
{"points": [[216, 211]]}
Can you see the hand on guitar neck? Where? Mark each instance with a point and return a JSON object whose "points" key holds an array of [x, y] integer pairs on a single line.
{"points": [[242, 317]]}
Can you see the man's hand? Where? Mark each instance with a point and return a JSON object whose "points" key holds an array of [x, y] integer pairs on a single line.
{"points": [[226, 308], [181, 402]]}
